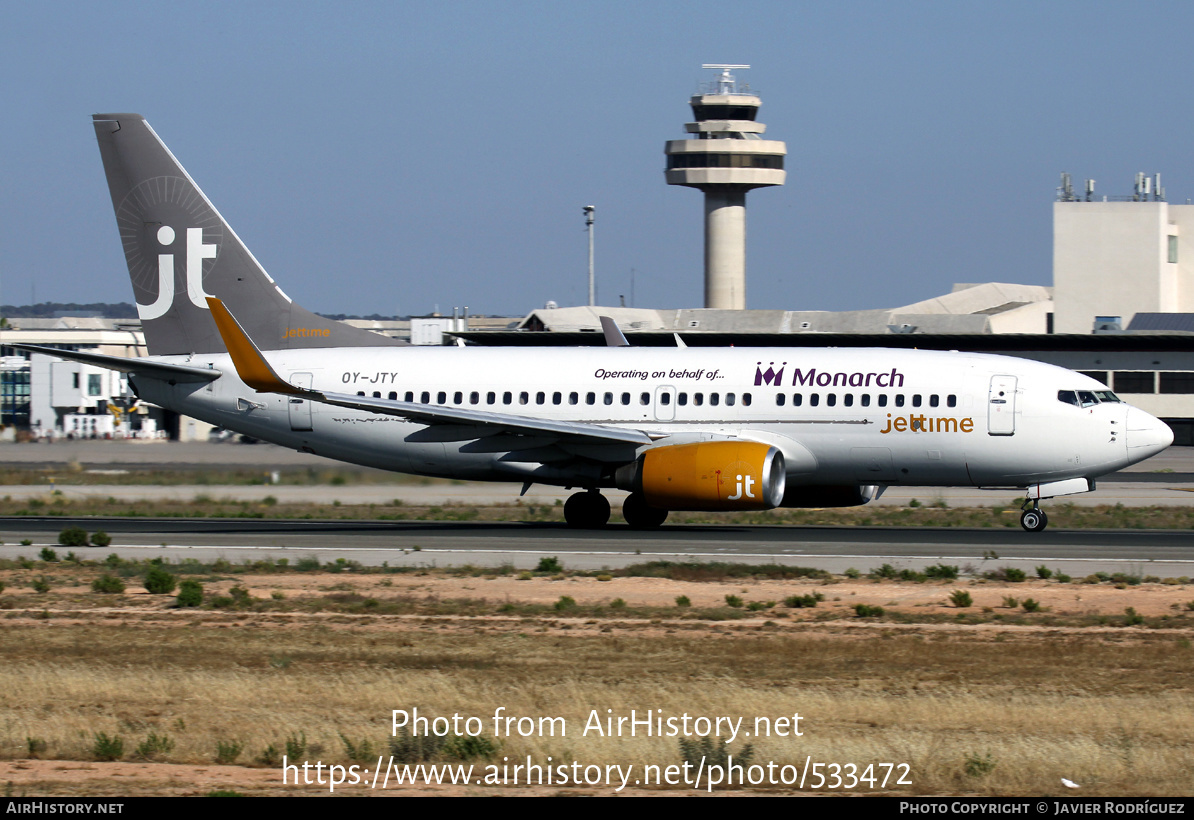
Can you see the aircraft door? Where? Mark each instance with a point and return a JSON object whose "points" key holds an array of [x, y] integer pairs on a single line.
{"points": [[665, 403], [300, 409], [1001, 406]]}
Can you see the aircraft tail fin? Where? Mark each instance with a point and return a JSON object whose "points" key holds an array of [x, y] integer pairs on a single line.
{"points": [[180, 251]]}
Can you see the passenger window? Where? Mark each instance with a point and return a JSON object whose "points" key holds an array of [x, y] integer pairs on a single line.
{"points": [[729, 399], [540, 397], [952, 400], [625, 398], [557, 398], [746, 399], [934, 400], [900, 400], [410, 395], [865, 400], [682, 399], [644, 398], [377, 394], [458, 397], [425, 398], [916, 400], [491, 397], [441, 397], [590, 398], [882, 399], [797, 399], [574, 398], [524, 397], [698, 399], [361, 393], [779, 399], [814, 399], [714, 399], [830, 399], [393, 396], [609, 398], [474, 397], [848, 399], [507, 397], [665, 398]]}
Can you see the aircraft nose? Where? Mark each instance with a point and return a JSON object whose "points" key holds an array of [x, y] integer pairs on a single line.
{"points": [[1146, 435]]}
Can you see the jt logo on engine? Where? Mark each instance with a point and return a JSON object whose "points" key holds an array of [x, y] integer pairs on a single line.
{"points": [[750, 480]]}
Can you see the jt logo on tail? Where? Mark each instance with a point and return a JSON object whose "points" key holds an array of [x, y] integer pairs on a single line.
{"points": [[196, 253]]}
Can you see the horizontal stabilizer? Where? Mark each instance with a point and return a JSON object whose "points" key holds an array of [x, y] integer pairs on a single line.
{"points": [[163, 371]]}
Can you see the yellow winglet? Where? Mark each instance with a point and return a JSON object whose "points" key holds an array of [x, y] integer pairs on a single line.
{"points": [[250, 365]]}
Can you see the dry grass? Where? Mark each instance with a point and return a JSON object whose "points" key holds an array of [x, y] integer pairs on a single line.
{"points": [[1109, 708]]}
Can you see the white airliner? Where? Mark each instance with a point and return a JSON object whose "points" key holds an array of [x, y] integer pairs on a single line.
{"points": [[680, 428]]}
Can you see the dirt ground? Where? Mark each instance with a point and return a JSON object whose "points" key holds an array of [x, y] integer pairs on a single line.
{"points": [[832, 619]]}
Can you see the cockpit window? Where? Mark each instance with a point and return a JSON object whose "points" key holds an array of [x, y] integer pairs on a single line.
{"points": [[1068, 397], [1106, 395], [1086, 398]]}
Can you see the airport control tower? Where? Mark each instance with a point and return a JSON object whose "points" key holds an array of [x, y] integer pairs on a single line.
{"points": [[726, 157]]}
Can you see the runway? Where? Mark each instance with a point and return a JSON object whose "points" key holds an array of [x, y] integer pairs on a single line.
{"points": [[1163, 553]]}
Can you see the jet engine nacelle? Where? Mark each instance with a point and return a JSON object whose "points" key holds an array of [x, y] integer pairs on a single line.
{"points": [[709, 475]]}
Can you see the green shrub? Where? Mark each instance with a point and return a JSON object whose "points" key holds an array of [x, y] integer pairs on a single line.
{"points": [[565, 603], [107, 748], [1014, 575], [227, 751], [469, 747], [309, 564], [107, 583], [154, 746], [1010, 602], [159, 582], [852, 573], [1062, 578], [73, 537], [41, 584], [961, 598], [885, 571], [942, 572], [48, 555], [867, 611], [1044, 573], [269, 756], [551, 564], [1132, 617], [360, 752], [190, 593], [734, 601], [617, 603], [683, 601], [977, 766], [99, 538], [1030, 605], [803, 601], [296, 747]]}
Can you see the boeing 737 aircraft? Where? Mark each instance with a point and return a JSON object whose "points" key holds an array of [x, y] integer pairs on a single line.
{"points": [[681, 429]]}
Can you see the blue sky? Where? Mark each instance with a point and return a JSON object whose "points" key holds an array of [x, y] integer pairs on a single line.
{"points": [[391, 157]]}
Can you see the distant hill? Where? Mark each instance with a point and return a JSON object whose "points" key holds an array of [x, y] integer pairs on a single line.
{"points": [[53, 310]]}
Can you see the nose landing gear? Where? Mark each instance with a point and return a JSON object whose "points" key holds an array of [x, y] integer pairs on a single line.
{"points": [[1033, 519]]}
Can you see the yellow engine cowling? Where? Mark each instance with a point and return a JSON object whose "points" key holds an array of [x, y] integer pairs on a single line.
{"points": [[710, 475]]}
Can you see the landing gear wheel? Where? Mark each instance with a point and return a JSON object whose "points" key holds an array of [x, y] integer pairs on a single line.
{"points": [[1034, 520], [640, 515], [586, 511]]}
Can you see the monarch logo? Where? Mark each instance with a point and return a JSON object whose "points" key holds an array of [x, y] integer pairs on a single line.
{"points": [[770, 375], [196, 252]]}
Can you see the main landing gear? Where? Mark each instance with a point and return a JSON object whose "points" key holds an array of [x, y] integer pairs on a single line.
{"points": [[586, 511], [640, 515], [1034, 519]]}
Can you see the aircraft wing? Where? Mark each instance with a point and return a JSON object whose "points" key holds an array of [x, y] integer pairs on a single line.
{"points": [[165, 371], [256, 372]]}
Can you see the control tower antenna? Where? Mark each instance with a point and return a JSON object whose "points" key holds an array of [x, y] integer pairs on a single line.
{"points": [[726, 157]]}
